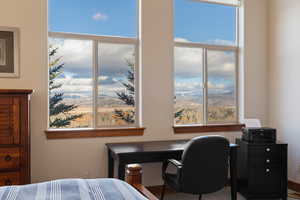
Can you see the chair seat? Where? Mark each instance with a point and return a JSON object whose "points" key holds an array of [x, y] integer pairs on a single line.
{"points": [[172, 180]]}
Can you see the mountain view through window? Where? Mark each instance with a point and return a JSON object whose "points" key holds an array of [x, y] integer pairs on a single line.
{"points": [[205, 62], [78, 97]]}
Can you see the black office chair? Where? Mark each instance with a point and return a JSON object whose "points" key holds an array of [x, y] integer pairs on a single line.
{"points": [[203, 169]]}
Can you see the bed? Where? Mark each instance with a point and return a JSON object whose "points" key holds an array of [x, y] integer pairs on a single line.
{"points": [[82, 189], [73, 189]]}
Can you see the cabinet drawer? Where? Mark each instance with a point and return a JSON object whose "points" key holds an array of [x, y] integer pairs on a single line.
{"points": [[10, 178], [9, 158], [265, 180], [264, 161], [266, 151]]}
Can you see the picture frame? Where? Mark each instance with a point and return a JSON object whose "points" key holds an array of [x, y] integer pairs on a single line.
{"points": [[9, 52]]}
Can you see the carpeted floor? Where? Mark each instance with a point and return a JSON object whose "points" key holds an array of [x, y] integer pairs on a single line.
{"points": [[221, 195]]}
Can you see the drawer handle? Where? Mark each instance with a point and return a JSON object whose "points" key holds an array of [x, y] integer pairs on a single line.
{"points": [[268, 161], [268, 149], [267, 170], [8, 158], [8, 182]]}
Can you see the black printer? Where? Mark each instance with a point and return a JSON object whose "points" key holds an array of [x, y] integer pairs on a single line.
{"points": [[259, 135]]}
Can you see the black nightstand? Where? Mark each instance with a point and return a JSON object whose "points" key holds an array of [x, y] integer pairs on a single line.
{"points": [[262, 170]]}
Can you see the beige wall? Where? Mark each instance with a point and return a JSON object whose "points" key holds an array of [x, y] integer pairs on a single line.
{"points": [[87, 157], [256, 63], [284, 78]]}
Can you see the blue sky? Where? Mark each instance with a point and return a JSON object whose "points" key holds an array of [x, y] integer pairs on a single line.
{"points": [[203, 22], [193, 21], [101, 17]]}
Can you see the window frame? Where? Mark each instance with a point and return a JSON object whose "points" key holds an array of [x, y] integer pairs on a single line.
{"points": [[96, 40], [214, 47], [237, 4]]}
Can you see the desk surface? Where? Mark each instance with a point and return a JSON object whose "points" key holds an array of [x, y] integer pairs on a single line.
{"points": [[149, 146]]}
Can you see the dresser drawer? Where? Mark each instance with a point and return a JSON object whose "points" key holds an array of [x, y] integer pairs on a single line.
{"points": [[9, 158], [10, 113], [9, 178]]}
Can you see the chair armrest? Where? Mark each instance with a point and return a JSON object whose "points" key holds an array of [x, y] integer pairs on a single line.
{"points": [[174, 162]]}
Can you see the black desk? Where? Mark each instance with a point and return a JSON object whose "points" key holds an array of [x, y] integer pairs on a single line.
{"points": [[157, 151]]}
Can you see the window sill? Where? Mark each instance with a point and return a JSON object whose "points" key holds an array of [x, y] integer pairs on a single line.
{"points": [[207, 128], [91, 133]]}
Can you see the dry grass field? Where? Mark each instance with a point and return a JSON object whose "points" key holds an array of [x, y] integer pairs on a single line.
{"points": [[104, 117], [192, 114]]}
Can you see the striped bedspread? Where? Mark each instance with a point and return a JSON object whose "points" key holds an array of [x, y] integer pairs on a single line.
{"points": [[73, 189]]}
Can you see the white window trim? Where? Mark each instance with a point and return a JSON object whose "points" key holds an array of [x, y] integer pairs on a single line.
{"points": [[205, 47], [96, 40], [237, 4]]}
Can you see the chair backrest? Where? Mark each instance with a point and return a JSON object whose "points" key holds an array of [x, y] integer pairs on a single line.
{"points": [[205, 165]]}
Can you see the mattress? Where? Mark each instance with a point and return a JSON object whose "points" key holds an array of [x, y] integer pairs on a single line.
{"points": [[73, 189]]}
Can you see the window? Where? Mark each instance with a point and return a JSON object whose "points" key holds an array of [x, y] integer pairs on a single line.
{"points": [[116, 91], [93, 77], [205, 62], [189, 85]]}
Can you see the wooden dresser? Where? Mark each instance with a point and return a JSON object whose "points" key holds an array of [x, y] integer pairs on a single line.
{"points": [[14, 137]]}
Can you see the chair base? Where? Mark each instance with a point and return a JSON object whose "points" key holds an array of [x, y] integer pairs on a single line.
{"points": [[163, 191]]}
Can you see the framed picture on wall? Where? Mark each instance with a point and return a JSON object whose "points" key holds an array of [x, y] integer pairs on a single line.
{"points": [[9, 52]]}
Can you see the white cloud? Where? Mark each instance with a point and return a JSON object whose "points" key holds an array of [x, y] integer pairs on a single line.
{"points": [[215, 86], [75, 81], [213, 42], [76, 86], [113, 58], [221, 42], [221, 63], [196, 86], [100, 16], [77, 56], [74, 53], [188, 62], [178, 39], [83, 87], [187, 85], [102, 78]]}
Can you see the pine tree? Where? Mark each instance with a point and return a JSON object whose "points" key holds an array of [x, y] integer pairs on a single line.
{"points": [[127, 97], [178, 114], [59, 112]]}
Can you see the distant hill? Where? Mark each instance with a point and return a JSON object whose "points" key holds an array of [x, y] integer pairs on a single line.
{"points": [[103, 101], [215, 100]]}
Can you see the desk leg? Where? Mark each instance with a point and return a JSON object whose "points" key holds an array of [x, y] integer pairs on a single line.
{"points": [[121, 171], [110, 165], [233, 173]]}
